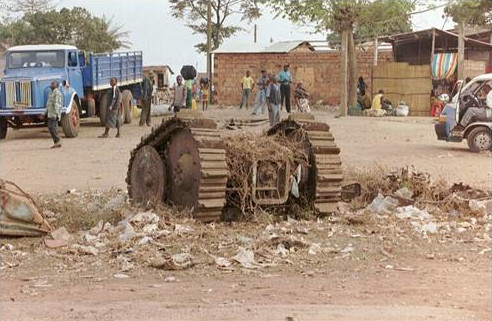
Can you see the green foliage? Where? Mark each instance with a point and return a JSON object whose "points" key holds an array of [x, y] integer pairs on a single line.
{"points": [[470, 12], [194, 12], [367, 19], [68, 26]]}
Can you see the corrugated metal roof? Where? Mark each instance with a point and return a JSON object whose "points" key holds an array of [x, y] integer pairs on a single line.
{"points": [[278, 47]]}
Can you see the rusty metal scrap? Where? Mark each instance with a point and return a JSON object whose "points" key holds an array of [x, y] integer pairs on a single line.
{"points": [[19, 214]]}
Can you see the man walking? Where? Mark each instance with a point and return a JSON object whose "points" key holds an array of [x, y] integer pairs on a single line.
{"points": [[179, 100], [113, 114], [53, 108], [147, 88], [247, 85], [285, 79], [260, 101]]}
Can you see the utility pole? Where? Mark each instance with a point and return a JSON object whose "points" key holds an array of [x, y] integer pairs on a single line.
{"points": [[344, 81], [461, 50], [209, 50], [255, 34]]}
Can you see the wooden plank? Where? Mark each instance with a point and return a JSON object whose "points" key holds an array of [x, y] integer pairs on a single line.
{"points": [[211, 203], [211, 150], [214, 165]]}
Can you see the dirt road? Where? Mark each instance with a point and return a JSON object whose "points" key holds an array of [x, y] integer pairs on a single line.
{"points": [[87, 162], [442, 277]]}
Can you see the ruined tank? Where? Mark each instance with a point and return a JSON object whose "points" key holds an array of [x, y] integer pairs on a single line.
{"points": [[183, 162]]}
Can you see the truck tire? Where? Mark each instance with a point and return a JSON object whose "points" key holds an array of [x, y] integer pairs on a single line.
{"points": [[71, 122], [480, 139], [3, 127], [126, 101], [103, 108], [91, 107]]}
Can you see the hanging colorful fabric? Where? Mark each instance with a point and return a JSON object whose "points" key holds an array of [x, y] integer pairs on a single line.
{"points": [[444, 65]]}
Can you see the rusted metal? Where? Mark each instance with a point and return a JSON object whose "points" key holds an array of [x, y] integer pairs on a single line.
{"points": [[193, 157], [148, 176], [271, 183], [19, 214]]}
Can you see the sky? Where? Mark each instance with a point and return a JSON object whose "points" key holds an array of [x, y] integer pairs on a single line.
{"points": [[165, 40]]}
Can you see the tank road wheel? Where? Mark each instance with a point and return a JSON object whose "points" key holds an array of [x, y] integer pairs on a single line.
{"points": [[323, 183], [480, 139], [147, 177], [127, 106], [103, 108], [3, 127], [91, 107], [194, 166], [71, 122]]}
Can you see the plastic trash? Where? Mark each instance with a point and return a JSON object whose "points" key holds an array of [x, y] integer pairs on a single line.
{"points": [[402, 109], [382, 204]]}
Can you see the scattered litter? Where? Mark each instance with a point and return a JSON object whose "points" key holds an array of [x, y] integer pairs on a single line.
{"points": [[182, 229], [178, 261], [89, 250], [98, 228], [145, 218], [128, 233], [382, 204], [314, 249], [61, 234], [222, 262], [413, 213], [281, 250], [120, 276], [246, 258], [169, 279], [348, 249]]}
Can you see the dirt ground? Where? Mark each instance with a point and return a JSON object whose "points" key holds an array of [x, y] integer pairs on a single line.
{"points": [[441, 278]]}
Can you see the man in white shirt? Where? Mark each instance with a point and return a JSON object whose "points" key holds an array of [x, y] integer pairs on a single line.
{"points": [[477, 113]]}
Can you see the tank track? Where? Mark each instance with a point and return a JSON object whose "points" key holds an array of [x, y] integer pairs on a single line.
{"points": [[212, 162], [325, 172]]}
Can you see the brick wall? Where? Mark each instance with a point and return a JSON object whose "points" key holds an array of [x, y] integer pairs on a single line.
{"points": [[318, 71]]}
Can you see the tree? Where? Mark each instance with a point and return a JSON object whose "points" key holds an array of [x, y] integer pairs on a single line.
{"points": [[26, 6], [468, 13], [194, 12], [346, 18], [68, 26]]}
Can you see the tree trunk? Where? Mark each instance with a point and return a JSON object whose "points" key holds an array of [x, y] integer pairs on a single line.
{"points": [[352, 70], [461, 50], [344, 73]]}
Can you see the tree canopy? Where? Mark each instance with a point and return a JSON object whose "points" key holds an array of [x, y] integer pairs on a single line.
{"points": [[194, 12], [470, 12], [26, 6], [68, 26]]}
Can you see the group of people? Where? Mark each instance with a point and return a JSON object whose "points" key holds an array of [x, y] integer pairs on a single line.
{"points": [[274, 92]]}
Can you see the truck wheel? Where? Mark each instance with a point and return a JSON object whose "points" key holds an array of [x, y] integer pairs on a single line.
{"points": [[127, 106], [91, 107], [103, 108], [71, 122], [3, 127], [480, 139]]}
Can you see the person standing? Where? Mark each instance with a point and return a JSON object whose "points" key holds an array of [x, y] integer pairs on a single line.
{"points": [[247, 85], [180, 92], [147, 88], [361, 86], [285, 79], [273, 99], [260, 100], [204, 94], [53, 109], [114, 110]]}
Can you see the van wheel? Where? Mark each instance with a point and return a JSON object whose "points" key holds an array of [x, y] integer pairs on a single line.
{"points": [[103, 108], [3, 127], [480, 139], [127, 106], [71, 122]]}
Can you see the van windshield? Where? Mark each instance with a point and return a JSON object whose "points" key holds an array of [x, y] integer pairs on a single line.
{"points": [[36, 59]]}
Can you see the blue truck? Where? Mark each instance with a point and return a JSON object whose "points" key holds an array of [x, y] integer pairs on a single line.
{"points": [[84, 83]]}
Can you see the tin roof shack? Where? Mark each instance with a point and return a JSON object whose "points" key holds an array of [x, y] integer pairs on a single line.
{"points": [[162, 75], [420, 48], [314, 64], [425, 60]]}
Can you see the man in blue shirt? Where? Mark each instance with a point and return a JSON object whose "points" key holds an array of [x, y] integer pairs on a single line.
{"points": [[285, 79]]}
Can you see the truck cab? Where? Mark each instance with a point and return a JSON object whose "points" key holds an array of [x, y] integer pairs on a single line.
{"points": [[478, 133], [26, 86]]}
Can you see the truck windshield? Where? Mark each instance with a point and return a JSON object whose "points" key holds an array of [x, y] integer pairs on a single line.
{"points": [[32, 59]]}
